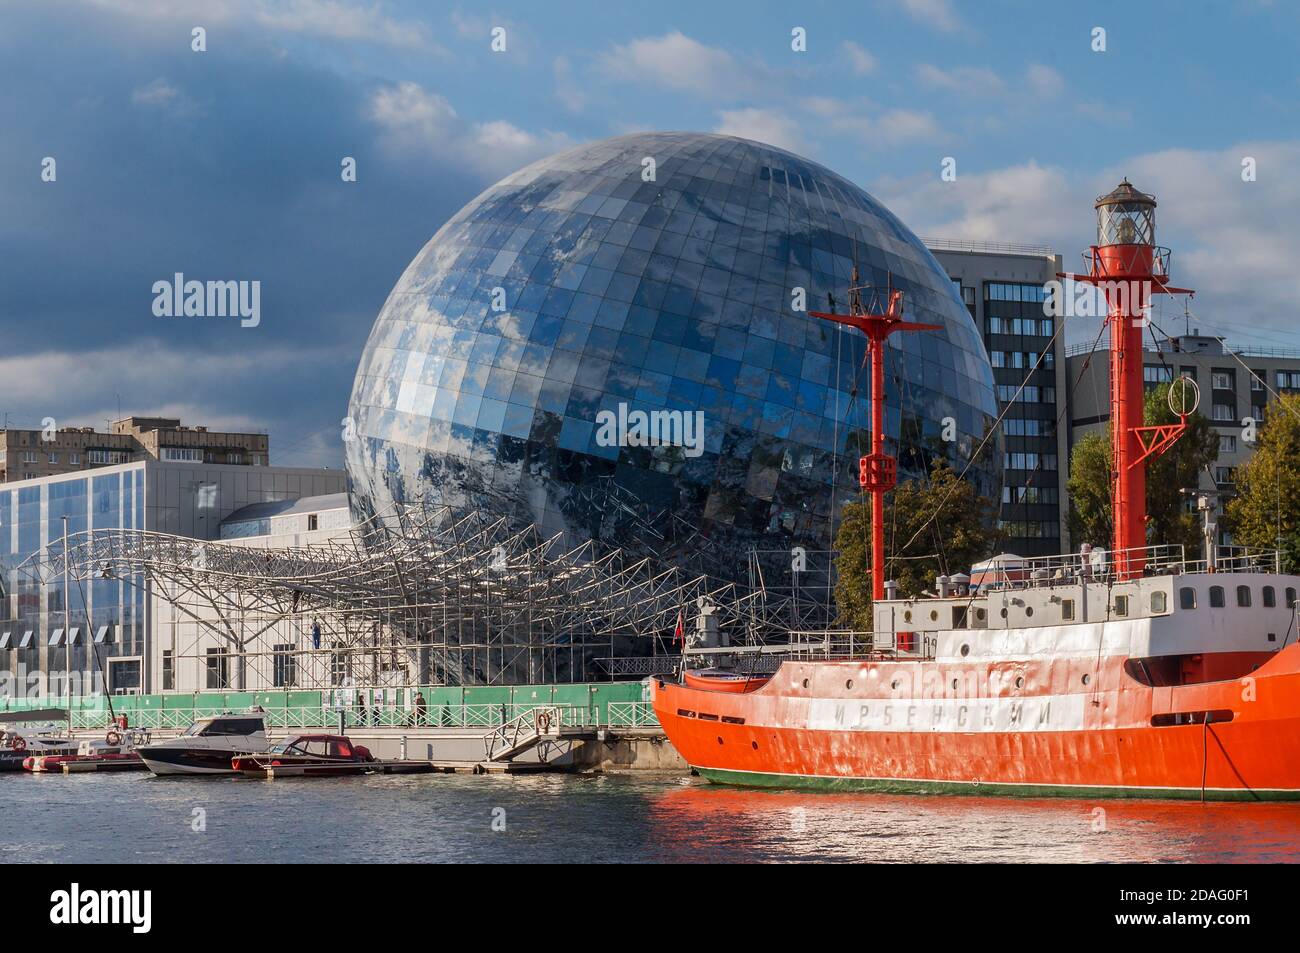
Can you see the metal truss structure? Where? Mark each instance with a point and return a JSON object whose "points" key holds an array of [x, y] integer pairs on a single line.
{"points": [[418, 595]]}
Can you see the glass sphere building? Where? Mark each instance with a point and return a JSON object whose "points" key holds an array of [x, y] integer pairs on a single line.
{"points": [[660, 272]]}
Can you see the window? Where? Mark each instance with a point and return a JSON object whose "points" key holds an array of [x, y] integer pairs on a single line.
{"points": [[1157, 373], [1290, 598], [313, 522], [1243, 596], [1067, 610], [234, 458], [168, 670], [180, 455], [1121, 605], [338, 668], [218, 668], [28, 456], [1159, 602], [106, 457], [54, 458], [1216, 597], [1226, 475], [1270, 597], [74, 459], [285, 673], [1221, 380], [1224, 412], [1227, 443], [1187, 597], [1288, 380], [1257, 379]]}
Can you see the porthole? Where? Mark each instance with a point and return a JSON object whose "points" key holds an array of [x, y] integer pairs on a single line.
{"points": [[981, 614], [965, 650], [1020, 682], [805, 683], [719, 739], [907, 616], [1086, 678], [894, 684], [849, 683], [934, 615], [954, 684], [1029, 610], [1004, 612], [754, 745]]}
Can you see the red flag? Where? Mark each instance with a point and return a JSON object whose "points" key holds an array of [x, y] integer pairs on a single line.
{"points": [[679, 635]]}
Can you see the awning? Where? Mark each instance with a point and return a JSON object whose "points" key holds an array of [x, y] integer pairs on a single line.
{"points": [[26, 641], [56, 638], [72, 635], [104, 634], [5, 639]]}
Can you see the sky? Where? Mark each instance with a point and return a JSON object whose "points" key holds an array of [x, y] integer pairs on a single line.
{"points": [[224, 164]]}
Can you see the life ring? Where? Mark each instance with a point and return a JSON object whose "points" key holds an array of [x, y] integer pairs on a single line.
{"points": [[113, 738], [543, 721], [20, 743]]}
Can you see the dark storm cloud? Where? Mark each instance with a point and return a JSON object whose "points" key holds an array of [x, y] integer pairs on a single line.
{"points": [[222, 165]]}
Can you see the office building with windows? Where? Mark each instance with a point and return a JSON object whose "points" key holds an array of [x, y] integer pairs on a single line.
{"points": [[1003, 287], [1236, 383], [117, 616]]}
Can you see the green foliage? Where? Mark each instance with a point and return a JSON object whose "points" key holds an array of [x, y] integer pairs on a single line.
{"points": [[961, 532], [1266, 510], [1168, 518]]}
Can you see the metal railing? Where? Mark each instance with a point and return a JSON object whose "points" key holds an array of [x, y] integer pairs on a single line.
{"points": [[1101, 566], [520, 733], [641, 665], [484, 716], [632, 715], [1005, 248]]}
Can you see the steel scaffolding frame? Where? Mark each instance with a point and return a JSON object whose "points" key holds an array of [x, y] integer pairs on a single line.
{"points": [[416, 595]]}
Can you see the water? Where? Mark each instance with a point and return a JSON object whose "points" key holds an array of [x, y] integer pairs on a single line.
{"points": [[136, 818]]}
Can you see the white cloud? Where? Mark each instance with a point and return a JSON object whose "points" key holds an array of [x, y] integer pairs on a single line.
{"points": [[860, 60], [762, 125], [416, 121], [163, 96], [936, 13], [862, 120], [967, 80], [339, 20], [568, 90], [677, 62], [1235, 242], [1043, 80]]}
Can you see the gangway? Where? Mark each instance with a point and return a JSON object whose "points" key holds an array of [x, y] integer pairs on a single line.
{"points": [[522, 733]]}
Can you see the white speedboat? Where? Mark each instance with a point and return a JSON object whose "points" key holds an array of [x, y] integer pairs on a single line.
{"points": [[208, 745], [16, 747]]}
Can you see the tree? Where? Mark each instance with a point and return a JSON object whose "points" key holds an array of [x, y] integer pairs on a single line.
{"points": [[1169, 519], [1266, 510], [954, 527]]}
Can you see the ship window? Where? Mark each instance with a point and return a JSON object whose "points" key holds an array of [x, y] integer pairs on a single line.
{"points": [[1086, 678], [1216, 597], [1243, 596], [934, 615], [1187, 597], [1290, 598], [849, 683], [1067, 610], [894, 684], [907, 616], [965, 650], [1270, 597], [1121, 605], [1159, 601], [231, 726], [980, 614], [959, 617], [1020, 681], [1029, 610]]}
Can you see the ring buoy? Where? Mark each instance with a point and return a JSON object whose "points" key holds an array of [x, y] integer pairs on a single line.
{"points": [[113, 738], [20, 743], [543, 721]]}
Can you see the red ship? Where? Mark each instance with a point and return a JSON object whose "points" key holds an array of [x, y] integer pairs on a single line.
{"points": [[1139, 672]]}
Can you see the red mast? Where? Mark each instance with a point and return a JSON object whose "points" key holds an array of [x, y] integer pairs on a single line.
{"points": [[1128, 267], [878, 471]]}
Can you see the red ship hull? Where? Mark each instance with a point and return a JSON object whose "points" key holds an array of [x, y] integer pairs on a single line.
{"points": [[1015, 728]]}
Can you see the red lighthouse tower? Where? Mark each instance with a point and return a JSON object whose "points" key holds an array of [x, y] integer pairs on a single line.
{"points": [[1128, 267], [878, 471]]}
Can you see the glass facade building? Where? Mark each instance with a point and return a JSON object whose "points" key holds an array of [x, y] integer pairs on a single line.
{"points": [[662, 273]]}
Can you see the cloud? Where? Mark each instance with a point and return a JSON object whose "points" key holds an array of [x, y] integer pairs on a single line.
{"points": [[677, 62], [936, 13], [568, 90], [337, 20], [163, 96], [762, 125], [869, 125], [979, 82], [1043, 80], [859, 59], [1233, 241], [416, 121]]}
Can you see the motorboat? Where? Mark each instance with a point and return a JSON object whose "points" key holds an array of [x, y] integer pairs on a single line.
{"points": [[16, 747], [209, 745], [306, 755]]}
